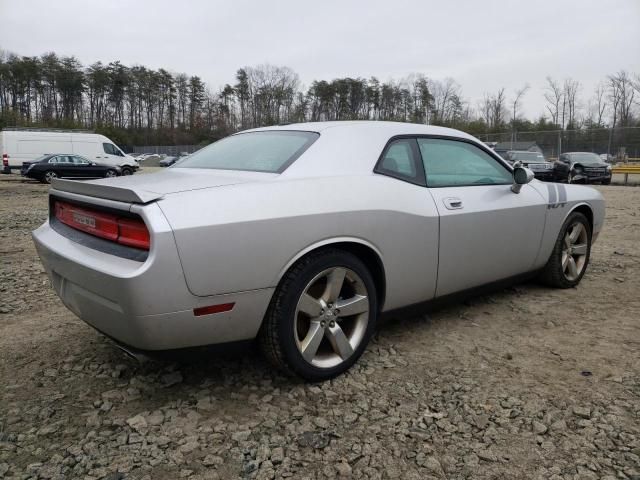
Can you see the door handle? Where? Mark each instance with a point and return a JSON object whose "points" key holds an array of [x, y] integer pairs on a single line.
{"points": [[452, 203]]}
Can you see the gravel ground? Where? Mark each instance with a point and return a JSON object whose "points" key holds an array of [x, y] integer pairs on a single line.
{"points": [[525, 383]]}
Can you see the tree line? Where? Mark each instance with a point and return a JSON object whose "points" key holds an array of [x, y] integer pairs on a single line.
{"points": [[138, 105]]}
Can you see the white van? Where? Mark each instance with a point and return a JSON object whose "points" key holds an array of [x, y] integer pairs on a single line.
{"points": [[19, 145]]}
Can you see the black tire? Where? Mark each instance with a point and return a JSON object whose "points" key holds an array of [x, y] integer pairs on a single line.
{"points": [[606, 182], [110, 174], [553, 273], [276, 335], [126, 171]]}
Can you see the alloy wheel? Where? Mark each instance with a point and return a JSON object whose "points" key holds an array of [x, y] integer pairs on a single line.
{"points": [[331, 317], [110, 173], [49, 176], [574, 251]]}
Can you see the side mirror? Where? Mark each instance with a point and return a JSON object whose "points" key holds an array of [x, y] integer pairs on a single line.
{"points": [[521, 176]]}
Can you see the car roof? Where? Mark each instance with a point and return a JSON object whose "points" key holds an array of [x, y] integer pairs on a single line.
{"points": [[353, 147], [373, 126]]}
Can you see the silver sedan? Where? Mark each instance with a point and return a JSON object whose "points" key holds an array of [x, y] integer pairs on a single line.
{"points": [[302, 235]]}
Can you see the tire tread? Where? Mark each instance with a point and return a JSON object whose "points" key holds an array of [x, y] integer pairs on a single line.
{"points": [[552, 274], [268, 337]]}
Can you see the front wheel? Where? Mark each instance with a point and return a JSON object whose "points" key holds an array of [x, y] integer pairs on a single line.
{"points": [[321, 317], [570, 255], [127, 171]]}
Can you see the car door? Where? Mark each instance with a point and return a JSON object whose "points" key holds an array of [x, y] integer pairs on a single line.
{"points": [[62, 166], [84, 168], [562, 168], [112, 154], [487, 232]]}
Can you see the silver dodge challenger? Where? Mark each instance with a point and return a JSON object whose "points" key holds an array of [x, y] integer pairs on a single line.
{"points": [[302, 235]]}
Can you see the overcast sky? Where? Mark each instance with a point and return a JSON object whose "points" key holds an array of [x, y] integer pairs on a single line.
{"points": [[483, 45]]}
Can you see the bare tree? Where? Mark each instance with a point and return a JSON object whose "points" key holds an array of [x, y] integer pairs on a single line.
{"points": [[623, 92], [444, 95], [516, 101], [554, 95], [514, 112], [570, 93], [598, 105]]}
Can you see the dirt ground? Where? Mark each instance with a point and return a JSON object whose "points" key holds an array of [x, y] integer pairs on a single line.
{"points": [[527, 382]]}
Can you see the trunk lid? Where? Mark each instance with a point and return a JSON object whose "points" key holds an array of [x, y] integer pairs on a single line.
{"points": [[146, 188]]}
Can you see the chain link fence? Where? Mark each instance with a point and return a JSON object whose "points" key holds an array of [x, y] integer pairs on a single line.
{"points": [[168, 150], [621, 143]]}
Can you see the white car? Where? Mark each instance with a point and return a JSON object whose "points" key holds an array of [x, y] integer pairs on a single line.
{"points": [[302, 235]]}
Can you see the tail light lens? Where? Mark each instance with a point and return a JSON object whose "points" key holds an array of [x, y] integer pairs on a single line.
{"points": [[127, 231], [5, 160]]}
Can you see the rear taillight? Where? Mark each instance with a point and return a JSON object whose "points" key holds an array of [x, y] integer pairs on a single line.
{"points": [[127, 231], [5, 160], [133, 233]]}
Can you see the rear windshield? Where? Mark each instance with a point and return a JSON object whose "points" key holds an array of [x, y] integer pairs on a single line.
{"points": [[268, 151]]}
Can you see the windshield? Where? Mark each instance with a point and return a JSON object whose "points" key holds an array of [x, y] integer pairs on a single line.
{"points": [[585, 157], [529, 157], [269, 151]]}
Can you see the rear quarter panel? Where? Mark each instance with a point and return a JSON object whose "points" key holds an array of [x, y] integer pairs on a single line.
{"points": [[242, 237]]}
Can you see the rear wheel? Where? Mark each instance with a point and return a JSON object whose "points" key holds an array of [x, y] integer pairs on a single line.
{"points": [[111, 173], [321, 316], [571, 253], [49, 176]]}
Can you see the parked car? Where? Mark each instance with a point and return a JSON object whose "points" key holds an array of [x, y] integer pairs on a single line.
{"points": [[19, 145], [582, 167], [302, 235], [168, 161], [48, 167], [535, 161]]}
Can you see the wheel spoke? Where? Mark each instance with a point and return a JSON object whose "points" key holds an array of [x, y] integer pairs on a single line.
{"points": [[567, 242], [573, 268], [353, 306], [309, 305], [339, 341], [312, 341], [575, 232], [565, 261], [580, 249], [334, 284]]}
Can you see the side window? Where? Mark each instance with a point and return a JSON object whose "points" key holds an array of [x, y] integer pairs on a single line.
{"points": [[111, 149], [60, 159], [79, 160], [453, 163], [398, 161]]}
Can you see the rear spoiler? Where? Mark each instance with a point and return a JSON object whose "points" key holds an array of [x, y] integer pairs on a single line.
{"points": [[120, 194]]}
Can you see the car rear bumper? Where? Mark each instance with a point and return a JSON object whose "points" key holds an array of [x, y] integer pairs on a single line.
{"points": [[145, 305]]}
